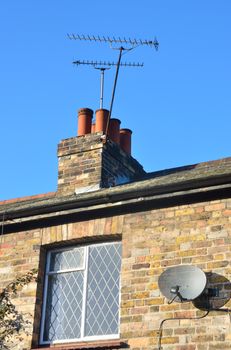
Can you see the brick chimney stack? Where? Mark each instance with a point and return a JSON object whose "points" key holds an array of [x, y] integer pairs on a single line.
{"points": [[86, 163]]}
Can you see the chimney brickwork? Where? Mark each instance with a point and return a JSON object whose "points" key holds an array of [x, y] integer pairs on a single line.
{"points": [[80, 163], [87, 163], [118, 166], [91, 160]]}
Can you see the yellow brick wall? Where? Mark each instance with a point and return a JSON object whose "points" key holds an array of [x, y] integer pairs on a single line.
{"points": [[197, 234]]}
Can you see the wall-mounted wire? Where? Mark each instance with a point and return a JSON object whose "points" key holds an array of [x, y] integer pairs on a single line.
{"points": [[174, 319]]}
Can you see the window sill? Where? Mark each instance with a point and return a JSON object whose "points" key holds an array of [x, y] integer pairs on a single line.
{"points": [[109, 344]]}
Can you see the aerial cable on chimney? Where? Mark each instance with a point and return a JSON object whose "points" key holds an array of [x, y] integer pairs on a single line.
{"points": [[130, 43]]}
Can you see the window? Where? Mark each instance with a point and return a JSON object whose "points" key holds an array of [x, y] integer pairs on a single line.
{"points": [[81, 294]]}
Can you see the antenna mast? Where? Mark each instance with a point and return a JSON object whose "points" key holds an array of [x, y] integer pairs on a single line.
{"points": [[102, 66], [130, 43], [102, 70]]}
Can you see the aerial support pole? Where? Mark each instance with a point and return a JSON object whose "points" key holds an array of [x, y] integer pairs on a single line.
{"points": [[133, 43], [114, 88], [101, 86]]}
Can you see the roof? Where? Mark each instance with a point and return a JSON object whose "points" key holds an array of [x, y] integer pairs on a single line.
{"points": [[197, 178]]}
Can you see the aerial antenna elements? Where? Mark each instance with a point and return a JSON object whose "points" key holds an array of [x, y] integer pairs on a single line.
{"points": [[102, 39], [121, 43], [109, 64], [102, 66]]}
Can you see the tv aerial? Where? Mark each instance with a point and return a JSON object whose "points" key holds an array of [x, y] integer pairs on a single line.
{"points": [[120, 44], [182, 283], [102, 66]]}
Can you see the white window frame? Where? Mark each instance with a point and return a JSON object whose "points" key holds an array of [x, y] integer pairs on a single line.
{"points": [[85, 269]]}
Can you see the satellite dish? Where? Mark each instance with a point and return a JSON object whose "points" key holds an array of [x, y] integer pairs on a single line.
{"points": [[182, 283]]}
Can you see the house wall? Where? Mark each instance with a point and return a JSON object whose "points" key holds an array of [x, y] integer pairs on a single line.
{"points": [[152, 240]]}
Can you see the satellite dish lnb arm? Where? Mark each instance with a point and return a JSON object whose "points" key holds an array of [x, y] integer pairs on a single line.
{"points": [[175, 290]]}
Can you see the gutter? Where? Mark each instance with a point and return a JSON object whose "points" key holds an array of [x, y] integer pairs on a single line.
{"points": [[131, 194]]}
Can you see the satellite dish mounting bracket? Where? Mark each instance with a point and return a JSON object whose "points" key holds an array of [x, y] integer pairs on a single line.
{"points": [[175, 291]]}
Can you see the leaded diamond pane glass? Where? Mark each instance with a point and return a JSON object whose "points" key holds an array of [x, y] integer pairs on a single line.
{"points": [[67, 259], [102, 308], [95, 286], [64, 306]]}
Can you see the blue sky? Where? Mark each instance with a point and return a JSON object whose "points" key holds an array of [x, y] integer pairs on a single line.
{"points": [[178, 105]]}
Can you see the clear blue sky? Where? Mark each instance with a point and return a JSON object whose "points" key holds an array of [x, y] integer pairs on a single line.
{"points": [[178, 105]]}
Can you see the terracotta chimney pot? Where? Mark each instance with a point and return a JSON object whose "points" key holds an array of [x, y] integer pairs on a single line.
{"points": [[92, 128], [125, 140], [84, 121], [114, 130], [101, 117]]}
